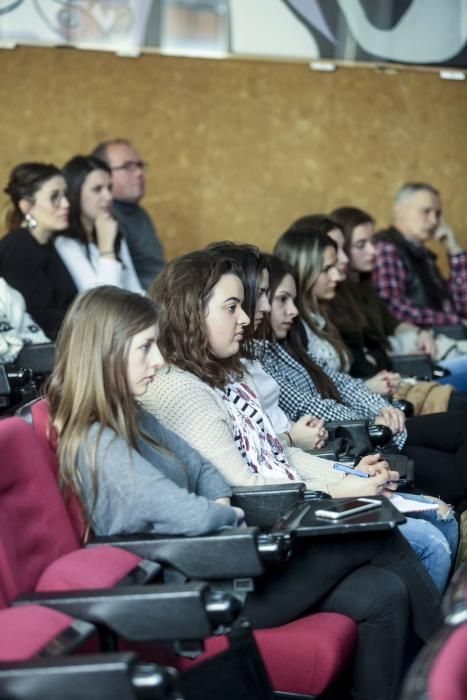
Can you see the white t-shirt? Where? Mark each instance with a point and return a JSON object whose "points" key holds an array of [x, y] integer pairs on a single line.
{"points": [[268, 393]]}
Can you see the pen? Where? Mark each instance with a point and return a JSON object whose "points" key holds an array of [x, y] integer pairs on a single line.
{"points": [[349, 470]]}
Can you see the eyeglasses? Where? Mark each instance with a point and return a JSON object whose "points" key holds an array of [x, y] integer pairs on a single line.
{"points": [[131, 165]]}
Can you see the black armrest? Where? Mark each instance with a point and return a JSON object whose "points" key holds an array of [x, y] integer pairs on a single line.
{"points": [[150, 613], [106, 676], [355, 432], [333, 426], [332, 450], [419, 366], [456, 331], [379, 435], [406, 407], [227, 554], [302, 521], [38, 358], [264, 504]]}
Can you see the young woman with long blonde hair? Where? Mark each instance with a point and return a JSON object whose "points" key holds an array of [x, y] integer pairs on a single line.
{"points": [[129, 473]]}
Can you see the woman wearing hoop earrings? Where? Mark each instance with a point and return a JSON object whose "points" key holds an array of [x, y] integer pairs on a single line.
{"points": [[28, 259]]}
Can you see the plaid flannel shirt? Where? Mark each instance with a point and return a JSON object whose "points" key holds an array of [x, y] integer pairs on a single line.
{"points": [[389, 276]]}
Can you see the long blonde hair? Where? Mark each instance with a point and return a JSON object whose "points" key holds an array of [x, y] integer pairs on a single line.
{"points": [[89, 381]]}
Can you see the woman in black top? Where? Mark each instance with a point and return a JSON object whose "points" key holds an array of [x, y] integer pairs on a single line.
{"points": [[28, 259]]}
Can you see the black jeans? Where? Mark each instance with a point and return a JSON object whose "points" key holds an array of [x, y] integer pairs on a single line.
{"points": [[438, 445], [458, 401], [374, 578]]}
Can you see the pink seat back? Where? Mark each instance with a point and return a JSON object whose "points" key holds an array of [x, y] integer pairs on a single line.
{"points": [[35, 528], [48, 438], [447, 679]]}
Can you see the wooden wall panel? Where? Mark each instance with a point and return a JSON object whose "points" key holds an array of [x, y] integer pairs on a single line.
{"points": [[240, 148]]}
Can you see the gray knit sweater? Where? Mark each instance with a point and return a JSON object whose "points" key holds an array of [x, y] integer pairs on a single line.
{"points": [[167, 491]]}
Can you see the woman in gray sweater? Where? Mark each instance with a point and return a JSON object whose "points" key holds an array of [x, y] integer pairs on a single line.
{"points": [[129, 472]]}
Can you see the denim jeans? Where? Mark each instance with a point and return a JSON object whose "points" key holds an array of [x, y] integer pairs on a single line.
{"points": [[433, 538]]}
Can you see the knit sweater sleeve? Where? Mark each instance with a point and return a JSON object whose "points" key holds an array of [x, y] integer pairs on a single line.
{"points": [[192, 409], [317, 473], [133, 495]]}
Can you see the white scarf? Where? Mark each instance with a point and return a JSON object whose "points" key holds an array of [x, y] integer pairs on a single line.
{"points": [[254, 434]]}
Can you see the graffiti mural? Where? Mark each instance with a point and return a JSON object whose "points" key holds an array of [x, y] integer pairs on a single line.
{"points": [[404, 31], [106, 24]]}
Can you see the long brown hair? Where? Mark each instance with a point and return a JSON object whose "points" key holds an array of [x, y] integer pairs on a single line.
{"points": [[183, 290], [302, 247], [278, 269], [89, 381], [345, 309]]}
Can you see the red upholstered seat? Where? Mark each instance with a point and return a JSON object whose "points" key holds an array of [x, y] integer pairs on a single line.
{"points": [[447, 679], [35, 528], [26, 630], [99, 567], [48, 438], [304, 656]]}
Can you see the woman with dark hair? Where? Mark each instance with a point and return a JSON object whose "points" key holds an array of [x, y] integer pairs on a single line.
{"points": [[28, 259], [307, 432], [367, 326], [92, 247], [204, 396], [205, 374], [304, 246], [436, 442]]}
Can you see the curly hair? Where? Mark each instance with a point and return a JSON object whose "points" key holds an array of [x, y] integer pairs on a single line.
{"points": [[183, 290]]}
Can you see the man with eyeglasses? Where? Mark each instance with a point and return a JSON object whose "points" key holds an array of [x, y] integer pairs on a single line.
{"points": [[133, 221]]}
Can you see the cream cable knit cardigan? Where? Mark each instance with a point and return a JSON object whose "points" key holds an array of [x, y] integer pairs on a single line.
{"points": [[192, 409]]}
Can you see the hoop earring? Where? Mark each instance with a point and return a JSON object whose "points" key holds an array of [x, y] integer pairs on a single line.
{"points": [[31, 223]]}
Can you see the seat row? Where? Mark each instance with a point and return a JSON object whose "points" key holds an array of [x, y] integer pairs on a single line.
{"points": [[173, 590]]}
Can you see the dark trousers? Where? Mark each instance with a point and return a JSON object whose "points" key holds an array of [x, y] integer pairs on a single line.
{"points": [[458, 401], [438, 445], [374, 578]]}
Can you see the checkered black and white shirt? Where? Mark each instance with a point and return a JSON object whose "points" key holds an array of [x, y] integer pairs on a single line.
{"points": [[299, 395]]}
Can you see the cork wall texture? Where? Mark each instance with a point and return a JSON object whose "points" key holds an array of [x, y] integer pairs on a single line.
{"points": [[239, 148]]}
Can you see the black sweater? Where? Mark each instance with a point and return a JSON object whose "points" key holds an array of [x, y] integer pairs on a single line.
{"points": [[38, 272]]}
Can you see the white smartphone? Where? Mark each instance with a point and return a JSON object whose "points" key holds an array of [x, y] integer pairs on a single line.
{"points": [[348, 507]]}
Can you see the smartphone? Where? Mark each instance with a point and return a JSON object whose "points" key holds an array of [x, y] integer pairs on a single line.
{"points": [[346, 508]]}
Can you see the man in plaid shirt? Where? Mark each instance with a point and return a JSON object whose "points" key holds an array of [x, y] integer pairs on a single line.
{"points": [[405, 272]]}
